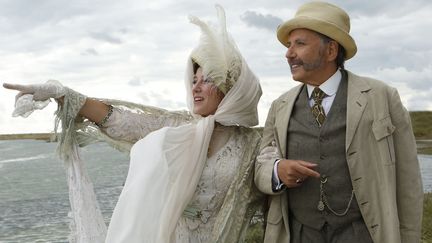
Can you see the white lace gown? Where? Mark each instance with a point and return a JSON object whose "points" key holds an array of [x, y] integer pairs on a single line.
{"points": [[197, 222]]}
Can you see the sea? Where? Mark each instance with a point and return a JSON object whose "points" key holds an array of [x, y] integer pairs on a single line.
{"points": [[34, 201]]}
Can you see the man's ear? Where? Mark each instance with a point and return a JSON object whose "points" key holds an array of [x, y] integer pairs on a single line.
{"points": [[332, 50]]}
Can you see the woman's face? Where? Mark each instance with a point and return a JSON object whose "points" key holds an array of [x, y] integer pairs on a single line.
{"points": [[206, 95]]}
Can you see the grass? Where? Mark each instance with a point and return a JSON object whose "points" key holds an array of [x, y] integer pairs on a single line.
{"points": [[36, 136], [256, 231], [427, 219], [422, 124], [422, 127]]}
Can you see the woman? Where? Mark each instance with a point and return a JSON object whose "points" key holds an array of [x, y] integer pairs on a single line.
{"points": [[191, 174]]}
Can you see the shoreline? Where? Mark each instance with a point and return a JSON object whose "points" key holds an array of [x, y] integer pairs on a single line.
{"points": [[424, 145], [49, 137]]}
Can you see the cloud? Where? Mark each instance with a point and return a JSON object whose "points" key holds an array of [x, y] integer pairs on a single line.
{"points": [[420, 101], [137, 51], [268, 21], [107, 37], [90, 52], [136, 81], [415, 80], [162, 99], [413, 86], [22, 15]]}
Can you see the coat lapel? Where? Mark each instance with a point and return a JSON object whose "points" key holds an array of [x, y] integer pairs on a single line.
{"points": [[282, 119], [356, 104]]}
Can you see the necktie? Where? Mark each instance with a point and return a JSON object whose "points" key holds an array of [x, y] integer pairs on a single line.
{"points": [[317, 108]]}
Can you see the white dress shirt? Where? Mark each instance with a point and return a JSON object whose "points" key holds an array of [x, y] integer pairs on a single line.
{"points": [[329, 87]]}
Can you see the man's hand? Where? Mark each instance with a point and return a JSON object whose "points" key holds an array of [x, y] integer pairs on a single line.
{"points": [[293, 172]]}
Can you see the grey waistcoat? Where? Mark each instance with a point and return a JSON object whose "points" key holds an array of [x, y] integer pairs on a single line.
{"points": [[326, 147]]}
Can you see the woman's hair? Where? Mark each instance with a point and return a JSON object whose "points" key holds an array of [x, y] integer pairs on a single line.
{"points": [[195, 66]]}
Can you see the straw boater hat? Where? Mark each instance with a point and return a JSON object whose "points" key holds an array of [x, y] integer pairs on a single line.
{"points": [[324, 18]]}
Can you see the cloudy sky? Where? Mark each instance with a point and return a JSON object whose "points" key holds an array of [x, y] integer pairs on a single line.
{"points": [[136, 50]]}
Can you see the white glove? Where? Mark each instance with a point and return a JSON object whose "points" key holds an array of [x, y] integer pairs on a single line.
{"points": [[269, 153], [50, 89], [34, 96], [25, 105]]}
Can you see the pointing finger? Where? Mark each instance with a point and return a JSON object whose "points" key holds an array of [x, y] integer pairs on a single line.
{"points": [[18, 87]]}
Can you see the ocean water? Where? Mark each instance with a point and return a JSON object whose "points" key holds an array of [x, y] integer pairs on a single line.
{"points": [[34, 199]]}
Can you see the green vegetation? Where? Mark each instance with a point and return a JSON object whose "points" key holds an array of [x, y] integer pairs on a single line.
{"points": [[427, 219], [36, 136], [256, 229], [422, 124], [255, 232]]}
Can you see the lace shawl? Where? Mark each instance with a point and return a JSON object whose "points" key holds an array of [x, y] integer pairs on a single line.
{"points": [[87, 224]]}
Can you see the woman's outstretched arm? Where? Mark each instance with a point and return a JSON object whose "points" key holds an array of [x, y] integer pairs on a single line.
{"points": [[94, 110]]}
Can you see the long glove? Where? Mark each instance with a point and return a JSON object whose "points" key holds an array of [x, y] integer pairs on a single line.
{"points": [[35, 96]]}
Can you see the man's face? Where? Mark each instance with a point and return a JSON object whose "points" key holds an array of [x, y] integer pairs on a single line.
{"points": [[306, 55]]}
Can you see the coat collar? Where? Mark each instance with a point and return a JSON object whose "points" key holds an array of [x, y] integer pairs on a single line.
{"points": [[356, 104]]}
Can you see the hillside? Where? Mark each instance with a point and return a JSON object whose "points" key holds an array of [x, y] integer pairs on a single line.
{"points": [[422, 126]]}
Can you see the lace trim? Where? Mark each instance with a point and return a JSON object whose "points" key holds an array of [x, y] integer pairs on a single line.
{"points": [[87, 223], [65, 116]]}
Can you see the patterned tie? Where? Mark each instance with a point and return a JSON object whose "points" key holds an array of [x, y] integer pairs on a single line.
{"points": [[317, 108]]}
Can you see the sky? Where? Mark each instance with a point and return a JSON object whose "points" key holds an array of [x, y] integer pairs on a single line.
{"points": [[136, 50]]}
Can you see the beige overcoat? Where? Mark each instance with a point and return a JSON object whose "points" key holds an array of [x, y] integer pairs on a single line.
{"points": [[381, 156]]}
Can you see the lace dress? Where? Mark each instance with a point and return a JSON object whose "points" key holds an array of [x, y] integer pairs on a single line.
{"points": [[197, 224]]}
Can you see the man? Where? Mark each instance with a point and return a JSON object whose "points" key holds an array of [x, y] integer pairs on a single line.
{"points": [[346, 168]]}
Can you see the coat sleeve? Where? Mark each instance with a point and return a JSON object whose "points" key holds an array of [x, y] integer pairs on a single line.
{"points": [[264, 167], [409, 191]]}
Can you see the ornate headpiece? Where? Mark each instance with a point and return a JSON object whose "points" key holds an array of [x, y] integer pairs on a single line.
{"points": [[217, 53]]}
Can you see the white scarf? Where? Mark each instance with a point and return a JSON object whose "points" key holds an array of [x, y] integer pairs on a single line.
{"points": [[166, 166]]}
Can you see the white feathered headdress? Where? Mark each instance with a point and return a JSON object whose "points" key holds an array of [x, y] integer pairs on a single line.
{"points": [[217, 53]]}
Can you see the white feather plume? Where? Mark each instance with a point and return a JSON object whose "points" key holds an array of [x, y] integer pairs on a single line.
{"points": [[217, 53]]}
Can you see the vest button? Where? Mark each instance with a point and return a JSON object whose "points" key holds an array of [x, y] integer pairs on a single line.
{"points": [[322, 156]]}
